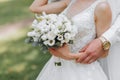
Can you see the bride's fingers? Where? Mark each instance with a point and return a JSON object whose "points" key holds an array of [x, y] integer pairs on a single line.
{"points": [[54, 53], [74, 56], [57, 54]]}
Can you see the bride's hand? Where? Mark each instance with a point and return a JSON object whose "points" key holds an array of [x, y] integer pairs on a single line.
{"points": [[64, 53]]}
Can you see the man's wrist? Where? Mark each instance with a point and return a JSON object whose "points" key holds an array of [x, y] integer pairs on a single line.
{"points": [[105, 43]]}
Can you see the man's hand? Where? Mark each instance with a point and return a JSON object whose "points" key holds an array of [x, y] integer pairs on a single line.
{"points": [[92, 52]]}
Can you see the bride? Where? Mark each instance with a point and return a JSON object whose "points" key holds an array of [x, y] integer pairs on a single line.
{"points": [[91, 18]]}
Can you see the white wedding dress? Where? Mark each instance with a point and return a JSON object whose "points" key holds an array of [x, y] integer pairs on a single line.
{"points": [[69, 69]]}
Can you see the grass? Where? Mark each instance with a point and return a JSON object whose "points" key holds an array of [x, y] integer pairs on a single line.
{"points": [[14, 10], [20, 61]]}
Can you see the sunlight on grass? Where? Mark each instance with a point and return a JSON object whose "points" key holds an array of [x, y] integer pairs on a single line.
{"points": [[3, 49], [20, 61], [14, 10], [17, 68], [16, 35], [4, 0], [31, 56], [7, 62]]}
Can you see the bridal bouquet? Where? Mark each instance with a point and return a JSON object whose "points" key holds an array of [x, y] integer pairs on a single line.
{"points": [[51, 30]]}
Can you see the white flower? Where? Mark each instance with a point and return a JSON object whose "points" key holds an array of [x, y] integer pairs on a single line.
{"points": [[35, 39], [66, 40], [67, 36], [51, 42], [42, 23], [37, 34], [53, 17], [63, 41], [45, 43], [44, 37], [43, 29], [34, 24], [58, 23], [68, 27], [48, 28], [56, 31], [44, 14], [31, 34], [52, 26], [60, 37], [51, 35]]}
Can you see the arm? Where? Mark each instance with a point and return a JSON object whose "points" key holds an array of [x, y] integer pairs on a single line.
{"points": [[39, 6], [64, 53], [94, 49], [112, 34], [103, 18]]}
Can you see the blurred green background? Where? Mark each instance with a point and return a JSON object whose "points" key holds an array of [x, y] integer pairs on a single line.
{"points": [[18, 60]]}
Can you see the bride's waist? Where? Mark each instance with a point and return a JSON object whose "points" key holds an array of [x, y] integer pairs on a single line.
{"points": [[75, 48]]}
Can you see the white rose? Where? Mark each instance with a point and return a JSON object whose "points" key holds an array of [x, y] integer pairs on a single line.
{"points": [[51, 35], [43, 37]]}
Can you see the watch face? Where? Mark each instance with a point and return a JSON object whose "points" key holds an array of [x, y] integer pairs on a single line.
{"points": [[106, 45]]}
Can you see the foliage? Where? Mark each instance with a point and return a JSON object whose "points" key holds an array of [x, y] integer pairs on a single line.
{"points": [[20, 61], [14, 10]]}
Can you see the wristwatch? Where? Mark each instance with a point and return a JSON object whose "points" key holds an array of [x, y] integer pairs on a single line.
{"points": [[105, 43]]}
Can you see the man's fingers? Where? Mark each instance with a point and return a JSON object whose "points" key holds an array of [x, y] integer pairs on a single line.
{"points": [[86, 60], [82, 57], [92, 60], [84, 48]]}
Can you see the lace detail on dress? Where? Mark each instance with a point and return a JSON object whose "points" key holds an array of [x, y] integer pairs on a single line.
{"points": [[85, 24]]}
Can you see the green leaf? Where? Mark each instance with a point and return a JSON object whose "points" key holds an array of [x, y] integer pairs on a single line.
{"points": [[29, 40], [35, 44], [71, 42]]}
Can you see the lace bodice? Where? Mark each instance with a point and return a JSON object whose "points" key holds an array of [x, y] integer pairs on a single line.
{"points": [[85, 24]]}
